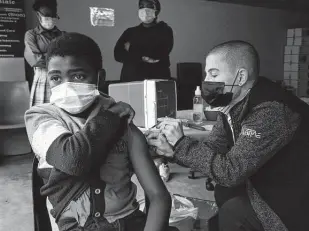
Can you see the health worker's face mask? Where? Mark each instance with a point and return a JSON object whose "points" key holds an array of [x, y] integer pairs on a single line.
{"points": [[74, 97], [47, 22], [147, 15], [213, 93]]}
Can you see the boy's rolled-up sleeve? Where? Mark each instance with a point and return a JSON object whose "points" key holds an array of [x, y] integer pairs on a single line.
{"points": [[42, 129], [265, 131], [72, 153]]}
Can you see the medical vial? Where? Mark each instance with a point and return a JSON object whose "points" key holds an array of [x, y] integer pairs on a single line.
{"points": [[198, 106]]}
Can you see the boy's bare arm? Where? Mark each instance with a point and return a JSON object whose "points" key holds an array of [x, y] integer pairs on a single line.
{"points": [[148, 176]]}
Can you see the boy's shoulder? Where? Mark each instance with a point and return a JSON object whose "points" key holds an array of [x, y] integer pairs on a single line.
{"points": [[46, 108], [49, 110], [44, 112]]}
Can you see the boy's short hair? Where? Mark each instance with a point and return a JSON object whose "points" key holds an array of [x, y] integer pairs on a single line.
{"points": [[76, 45]]}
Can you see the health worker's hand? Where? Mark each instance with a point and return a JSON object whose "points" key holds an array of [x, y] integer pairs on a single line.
{"points": [[171, 128], [159, 141]]}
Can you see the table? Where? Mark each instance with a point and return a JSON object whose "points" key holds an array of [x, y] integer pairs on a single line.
{"points": [[197, 134]]}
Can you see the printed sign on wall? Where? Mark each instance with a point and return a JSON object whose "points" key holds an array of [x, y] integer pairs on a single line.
{"points": [[12, 28], [102, 16]]}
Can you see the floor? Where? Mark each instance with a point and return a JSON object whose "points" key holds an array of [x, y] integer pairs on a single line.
{"points": [[16, 198]]}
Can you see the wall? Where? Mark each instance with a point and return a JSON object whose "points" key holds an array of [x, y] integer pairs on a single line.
{"points": [[198, 25]]}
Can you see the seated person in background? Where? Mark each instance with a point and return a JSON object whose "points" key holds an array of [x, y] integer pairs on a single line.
{"points": [[86, 153]]}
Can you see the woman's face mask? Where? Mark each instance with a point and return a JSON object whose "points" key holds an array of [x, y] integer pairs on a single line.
{"points": [[47, 23], [147, 15], [74, 97]]}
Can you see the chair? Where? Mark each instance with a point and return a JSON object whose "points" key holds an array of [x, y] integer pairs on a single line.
{"points": [[14, 101], [189, 75], [40, 212]]}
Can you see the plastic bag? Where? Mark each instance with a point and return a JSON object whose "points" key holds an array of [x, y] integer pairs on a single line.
{"points": [[102, 16], [183, 213]]}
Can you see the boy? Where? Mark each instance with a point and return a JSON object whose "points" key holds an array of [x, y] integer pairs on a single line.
{"points": [[87, 177]]}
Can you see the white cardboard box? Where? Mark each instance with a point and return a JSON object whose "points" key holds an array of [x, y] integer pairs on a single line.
{"points": [[301, 41], [287, 82], [151, 99], [299, 75], [290, 41], [287, 67], [287, 75], [299, 67], [300, 58], [290, 33], [300, 50], [301, 87], [298, 32], [296, 67], [297, 41], [288, 50], [295, 50], [287, 58], [296, 75]]}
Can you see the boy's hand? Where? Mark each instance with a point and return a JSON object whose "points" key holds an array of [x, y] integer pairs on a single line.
{"points": [[123, 110]]}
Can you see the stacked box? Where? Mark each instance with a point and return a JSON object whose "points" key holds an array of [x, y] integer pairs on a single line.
{"points": [[296, 67], [297, 32], [296, 61], [302, 59], [298, 41], [296, 50]]}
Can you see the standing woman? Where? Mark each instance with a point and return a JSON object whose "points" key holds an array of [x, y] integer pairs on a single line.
{"points": [[144, 49], [36, 43]]}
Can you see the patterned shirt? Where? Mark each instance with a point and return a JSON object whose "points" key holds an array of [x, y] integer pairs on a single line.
{"points": [[36, 43]]}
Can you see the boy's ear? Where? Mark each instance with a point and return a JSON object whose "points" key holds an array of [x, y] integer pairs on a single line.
{"points": [[102, 75]]}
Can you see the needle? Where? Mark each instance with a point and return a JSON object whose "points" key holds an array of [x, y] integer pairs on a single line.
{"points": [[160, 121]]}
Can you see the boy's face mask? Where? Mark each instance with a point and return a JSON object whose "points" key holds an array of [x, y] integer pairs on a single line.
{"points": [[147, 15], [74, 97], [213, 93]]}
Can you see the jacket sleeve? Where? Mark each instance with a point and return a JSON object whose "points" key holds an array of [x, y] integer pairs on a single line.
{"points": [[265, 131], [32, 53], [166, 45], [72, 153], [121, 54]]}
